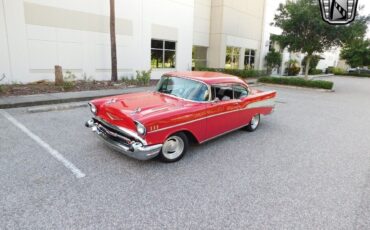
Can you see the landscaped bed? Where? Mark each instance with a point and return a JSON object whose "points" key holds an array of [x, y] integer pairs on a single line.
{"points": [[42, 87], [298, 81]]}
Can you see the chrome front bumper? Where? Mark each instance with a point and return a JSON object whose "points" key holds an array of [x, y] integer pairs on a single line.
{"points": [[123, 142]]}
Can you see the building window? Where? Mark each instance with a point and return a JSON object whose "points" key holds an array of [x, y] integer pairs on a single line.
{"points": [[199, 57], [232, 58], [163, 54], [249, 61]]}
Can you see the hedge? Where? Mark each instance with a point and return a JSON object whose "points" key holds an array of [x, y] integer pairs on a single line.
{"points": [[315, 72], [296, 81], [247, 73]]}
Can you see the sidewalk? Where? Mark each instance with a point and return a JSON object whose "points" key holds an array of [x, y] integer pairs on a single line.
{"points": [[66, 97]]}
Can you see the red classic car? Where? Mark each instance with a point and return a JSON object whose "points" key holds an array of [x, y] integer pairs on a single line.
{"points": [[186, 106]]}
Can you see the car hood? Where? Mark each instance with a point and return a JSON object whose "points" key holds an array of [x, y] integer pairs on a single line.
{"points": [[138, 106]]}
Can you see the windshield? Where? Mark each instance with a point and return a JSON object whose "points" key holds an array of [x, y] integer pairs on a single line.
{"points": [[183, 88]]}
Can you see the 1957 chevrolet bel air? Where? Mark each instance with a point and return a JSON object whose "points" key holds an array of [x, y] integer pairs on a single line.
{"points": [[186, 106]]}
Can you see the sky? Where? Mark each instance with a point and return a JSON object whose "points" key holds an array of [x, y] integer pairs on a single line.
{"points": [[274, 4], [365, 11]]}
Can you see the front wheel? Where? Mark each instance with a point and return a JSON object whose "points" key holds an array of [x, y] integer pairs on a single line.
{"points": [[254, 123], [174, 148]]}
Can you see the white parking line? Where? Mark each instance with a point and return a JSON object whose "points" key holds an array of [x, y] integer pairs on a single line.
{"points": [[45, 145]]}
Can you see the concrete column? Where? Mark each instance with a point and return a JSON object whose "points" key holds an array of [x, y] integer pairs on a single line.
{"points": [[241, 58], [265, 36], [257, 60], [217, 39], [217, 51]]}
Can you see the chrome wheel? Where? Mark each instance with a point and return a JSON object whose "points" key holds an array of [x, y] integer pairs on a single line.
{"points": [[255, 121], [173, 147]]}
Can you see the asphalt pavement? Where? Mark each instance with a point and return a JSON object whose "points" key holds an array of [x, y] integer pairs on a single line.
{"points": [[306, 167]]}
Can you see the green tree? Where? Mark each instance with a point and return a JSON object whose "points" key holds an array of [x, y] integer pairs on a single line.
{"points": [[304, 30], [273, 59], [113, 41], [357, 53]]}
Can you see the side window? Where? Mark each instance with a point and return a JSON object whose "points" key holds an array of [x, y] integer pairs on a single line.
{"points": [[222, 93], [198, 93], [240, 92]]}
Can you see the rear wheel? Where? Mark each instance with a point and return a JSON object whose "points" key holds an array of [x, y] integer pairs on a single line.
{"points": [[174, 148], [254, 123]]}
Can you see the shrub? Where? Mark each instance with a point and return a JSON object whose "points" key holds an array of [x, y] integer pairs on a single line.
{"points": [[69, 81], [338, 71], [296, 81], [315, 71], [243, 73], [273, 59], [2, 87], [129, 80], [293, 68], [88, 79], [143, 77]]}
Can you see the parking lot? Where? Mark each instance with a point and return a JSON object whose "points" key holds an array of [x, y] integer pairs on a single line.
{"points": [[306, 167]]}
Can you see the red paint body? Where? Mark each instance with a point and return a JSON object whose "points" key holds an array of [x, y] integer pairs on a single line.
{"points": [[163, 115]]}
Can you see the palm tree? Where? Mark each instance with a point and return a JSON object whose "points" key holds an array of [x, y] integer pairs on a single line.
{"points": [[113, 40]]}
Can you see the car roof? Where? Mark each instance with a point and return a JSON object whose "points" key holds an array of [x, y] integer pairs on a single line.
{"points": [[208, 77]]}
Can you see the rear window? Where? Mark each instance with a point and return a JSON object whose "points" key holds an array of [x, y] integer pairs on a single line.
{"points": [[222, 92]]}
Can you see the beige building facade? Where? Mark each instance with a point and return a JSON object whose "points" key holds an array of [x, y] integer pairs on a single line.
{"points": [[236, 33], [165, 35]]}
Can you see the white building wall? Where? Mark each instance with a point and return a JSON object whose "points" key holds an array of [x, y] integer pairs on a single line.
{"points": [[38, 41], [4, 54], [40, 34], [332, 58], [16, 42]]}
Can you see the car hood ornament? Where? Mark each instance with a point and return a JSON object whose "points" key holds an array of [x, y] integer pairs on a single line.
{"points": [[111, 101]]}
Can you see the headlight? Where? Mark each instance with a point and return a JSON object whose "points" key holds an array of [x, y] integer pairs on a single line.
{"points": [[93, 108], [140, 128]]}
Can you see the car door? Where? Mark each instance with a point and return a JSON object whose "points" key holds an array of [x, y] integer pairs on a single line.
{"points": [[222, 112], [241, 94]]}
